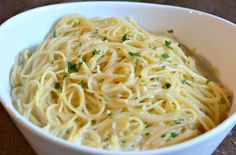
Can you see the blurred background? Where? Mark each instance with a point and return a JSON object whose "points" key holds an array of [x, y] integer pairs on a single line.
{"points": [[11, 140]]}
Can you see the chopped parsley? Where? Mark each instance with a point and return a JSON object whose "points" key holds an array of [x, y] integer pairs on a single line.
{"points": [[146, 134], [72, 67], [123, 141], [105, 38], [65, 74], [167, 85], [57, 85], [110, 114], [96, 31], [158, 78], [54, 34], [168, 44], [85, 58], [136, 98], [106, 99], [163, 135], [125, 37], [165, 55], [173, 134], [177, 121], [52, 62], [134, 54], [170, 31], [179, 45], [163, 67], [208, 81], [94, 52], [183, 81], [80, 44]]}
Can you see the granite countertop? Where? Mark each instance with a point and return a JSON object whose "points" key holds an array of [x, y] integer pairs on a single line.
{"points": [[11, 140]]}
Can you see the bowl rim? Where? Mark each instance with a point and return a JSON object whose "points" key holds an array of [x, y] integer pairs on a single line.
{"points": [[76, 147]]}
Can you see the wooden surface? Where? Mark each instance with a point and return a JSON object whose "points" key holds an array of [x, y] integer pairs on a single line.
{"points": [[11, 140]]}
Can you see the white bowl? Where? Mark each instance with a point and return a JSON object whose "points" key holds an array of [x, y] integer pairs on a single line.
{"points": [[214, 37]]}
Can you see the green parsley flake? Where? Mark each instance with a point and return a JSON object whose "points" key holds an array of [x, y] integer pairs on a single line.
{"points": [[57, 85], [110, 114], [54, 34], [105, 38], [183, 81], [65, 74], [72, 67], [85, 58], [208, 81], [165, 55], [136, 98], [106, 99], [167, 85], [177, 121], [125, 37], [170, 31], [96, 31], [134, 54], [168, 44], [94, 52], [146, 134], [123, 141], [173, 134], [163, 135], [158, 78]]}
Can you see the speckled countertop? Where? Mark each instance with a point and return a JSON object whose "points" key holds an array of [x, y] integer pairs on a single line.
{"points": [[11, 140]]}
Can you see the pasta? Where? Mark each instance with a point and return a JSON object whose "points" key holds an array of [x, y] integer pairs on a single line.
{"points": [[109, 84]]}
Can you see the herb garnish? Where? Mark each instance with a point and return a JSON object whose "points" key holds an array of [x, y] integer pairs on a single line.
{"points": [[65, 74], [57, 85], [146, 134], [178, 121], [85, 58], [54, 34], [163, 135], [106, 99], [183, 81], [167, 85], [110, 114], [170, 31], [173, 134], [96, 31], [94, 52], [125, 37], [105, 38], [134, 54], [168, 44], [208, 81], [72, 67], [165, 55]]}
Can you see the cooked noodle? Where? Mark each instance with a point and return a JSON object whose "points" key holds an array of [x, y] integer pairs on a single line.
{"points": [[107, 83]]}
